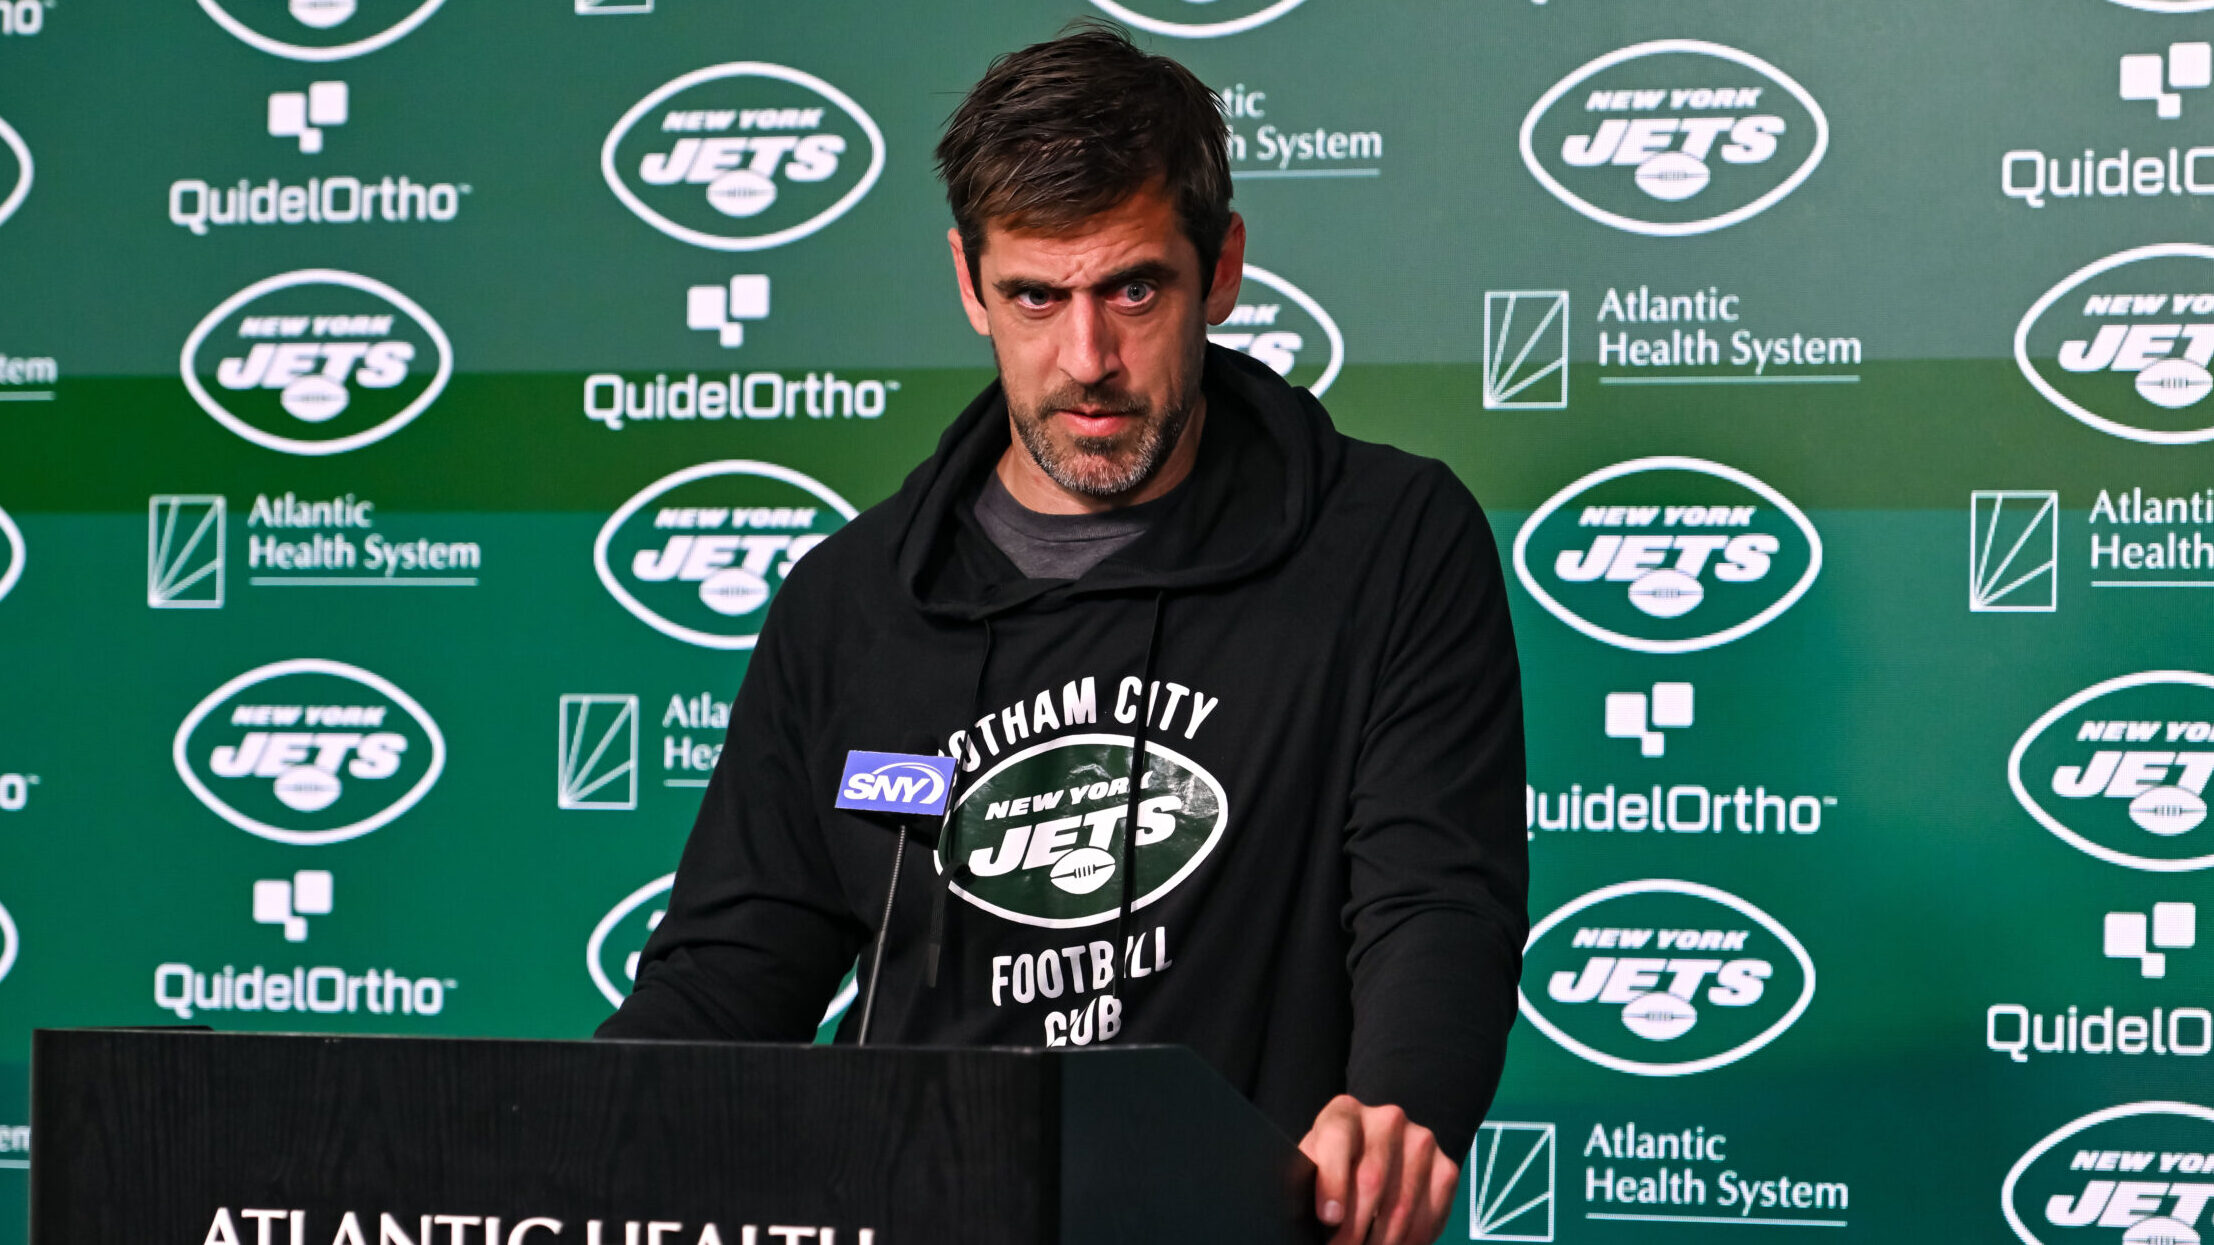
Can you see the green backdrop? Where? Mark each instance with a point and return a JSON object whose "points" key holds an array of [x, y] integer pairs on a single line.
{"points": [[1834, 375]]}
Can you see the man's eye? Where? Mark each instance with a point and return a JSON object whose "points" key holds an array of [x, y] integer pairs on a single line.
{"points": [[1137, 291], [1032, 299]]}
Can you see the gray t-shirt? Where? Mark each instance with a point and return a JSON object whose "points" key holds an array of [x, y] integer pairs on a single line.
{"points": [[1060, 546]]}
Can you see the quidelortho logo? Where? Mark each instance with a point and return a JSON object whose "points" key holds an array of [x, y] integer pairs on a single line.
{"points": [[309, 751], [2119, 770], [1667, 555], [287, 903], [698, 554], [302, 116], [15, 181], [11, 554], [743, 157], [319, 30], [1196, 19], [1663, 978], [1275, 322], [316, 362], [2136, 1174], [2124, 344], [1674, 137], [1039, 836]]}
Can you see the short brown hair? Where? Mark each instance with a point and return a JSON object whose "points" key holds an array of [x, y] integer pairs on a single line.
{"points": [[1063, 130]]}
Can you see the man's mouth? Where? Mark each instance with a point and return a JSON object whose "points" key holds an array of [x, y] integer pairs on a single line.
{"points": [[1094, 421]]}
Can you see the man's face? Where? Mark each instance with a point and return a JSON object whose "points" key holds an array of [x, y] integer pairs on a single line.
{"points": [[1099, 332]]}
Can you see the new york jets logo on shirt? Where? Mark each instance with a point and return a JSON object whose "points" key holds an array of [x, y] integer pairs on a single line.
{"points": [[1041, 833]]}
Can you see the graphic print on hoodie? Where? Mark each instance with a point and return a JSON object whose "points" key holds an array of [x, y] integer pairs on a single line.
{"points": [[1327, 881]]}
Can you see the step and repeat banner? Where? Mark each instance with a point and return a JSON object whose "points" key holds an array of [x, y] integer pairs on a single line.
{"points": [[408, 409]]}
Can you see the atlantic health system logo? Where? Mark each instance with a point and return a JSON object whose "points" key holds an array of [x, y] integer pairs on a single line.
{"points": [[1667, 554], [1674, 137], [742, 157], [1663, 978], [2125, 343], [316, 362], [309, 751], [698, 554], [319, 30], [2119, 770]]}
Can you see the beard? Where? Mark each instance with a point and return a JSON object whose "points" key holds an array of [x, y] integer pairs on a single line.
{"points": [[1110, 466]]}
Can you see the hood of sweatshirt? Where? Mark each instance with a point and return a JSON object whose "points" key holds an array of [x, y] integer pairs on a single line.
{"points": [[1266, 455]]}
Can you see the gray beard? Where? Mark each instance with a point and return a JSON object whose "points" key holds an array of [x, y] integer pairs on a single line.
{"points": [[1090, 466]]}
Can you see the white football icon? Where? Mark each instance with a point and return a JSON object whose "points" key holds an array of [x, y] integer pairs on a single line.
{"points": [[322, 14], [2174, 383], [2160, 1231], [1083, 870], [741, 192], [306, 789], [1673, 175], [1666, 593], [2167, 811], [733, 592], [314, 398], [1659, 1016]]}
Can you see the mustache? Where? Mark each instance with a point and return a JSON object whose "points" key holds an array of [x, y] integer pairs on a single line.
{"points": [[1095, 397]]}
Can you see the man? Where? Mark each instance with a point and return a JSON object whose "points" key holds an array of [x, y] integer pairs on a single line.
{"points": [[1137, 544]]}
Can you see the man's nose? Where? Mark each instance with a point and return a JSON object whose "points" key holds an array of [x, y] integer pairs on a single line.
{"points": [[1089, 353]]}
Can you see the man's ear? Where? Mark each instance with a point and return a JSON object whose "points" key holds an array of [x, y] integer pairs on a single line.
{"points": [[1222, 296], [969, 301]]}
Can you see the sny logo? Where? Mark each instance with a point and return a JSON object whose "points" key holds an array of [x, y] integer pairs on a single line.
{"points": [[896, 782]]}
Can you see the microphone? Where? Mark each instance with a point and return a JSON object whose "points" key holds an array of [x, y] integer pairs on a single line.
{"points": [[893, 782]]}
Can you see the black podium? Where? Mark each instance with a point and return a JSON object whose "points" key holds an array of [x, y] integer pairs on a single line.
{"points": [[185, 1136]]}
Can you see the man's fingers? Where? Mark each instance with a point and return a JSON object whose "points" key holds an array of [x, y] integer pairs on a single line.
{"points": [[1400, 1218], [1333, 1145], [1445, 1178], [1376, 1180]]}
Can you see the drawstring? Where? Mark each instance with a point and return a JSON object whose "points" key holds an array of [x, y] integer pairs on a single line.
{"points": [[948, 840], [1126, 867]]}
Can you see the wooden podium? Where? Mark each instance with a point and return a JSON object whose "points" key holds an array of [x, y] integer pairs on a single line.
{"points": [[189, 1136]]}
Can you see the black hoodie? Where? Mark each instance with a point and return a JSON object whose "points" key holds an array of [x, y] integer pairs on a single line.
{"points": [[1327, 885]]}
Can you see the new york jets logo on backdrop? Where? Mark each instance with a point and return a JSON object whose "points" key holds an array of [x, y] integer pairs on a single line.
{"points": [[15, 170], [2167, 6], [1197, 19], [2120, 769], [309, 751], [2137, 1174], [1663, 978], [319, 30], [1667, 555], [316, 362], [1674, 137], [7, 943], [2124, 344], [742, 157], [11, 553], [698, 554], [1041, 833], [611, 953], [1275, 322]]}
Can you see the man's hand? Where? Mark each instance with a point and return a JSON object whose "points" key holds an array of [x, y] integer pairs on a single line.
{"points": [[1379, 1178]]}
